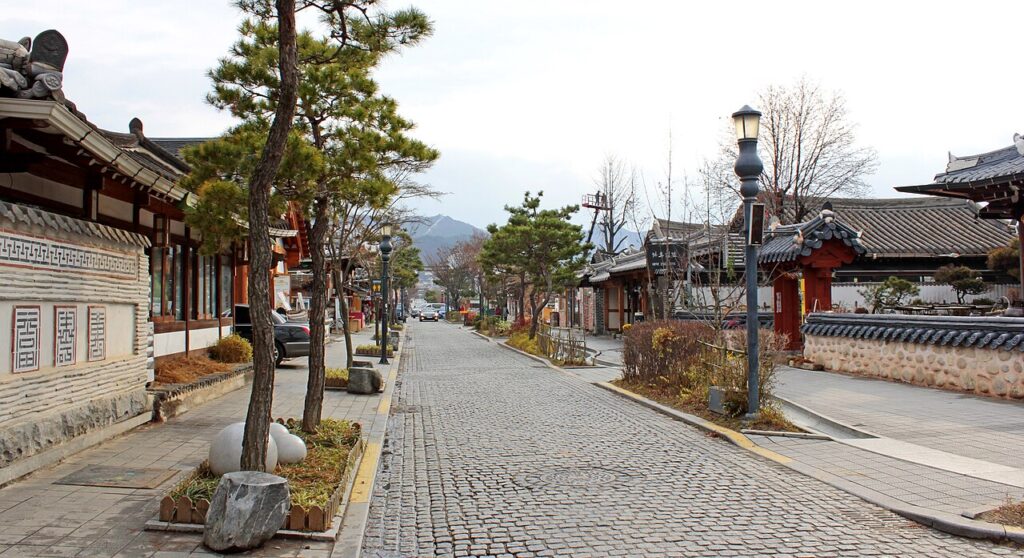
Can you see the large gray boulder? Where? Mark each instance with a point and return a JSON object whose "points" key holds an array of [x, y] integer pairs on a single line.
{"points": [[364, 380], [248, 507]]}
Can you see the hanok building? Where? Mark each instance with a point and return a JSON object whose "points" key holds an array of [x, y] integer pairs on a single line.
{"points": [[812, 252], [912, 237], [98, 272], [991, 182]]}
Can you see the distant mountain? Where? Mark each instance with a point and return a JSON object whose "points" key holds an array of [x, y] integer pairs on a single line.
{"points": [[440, 231], [628, 238]]}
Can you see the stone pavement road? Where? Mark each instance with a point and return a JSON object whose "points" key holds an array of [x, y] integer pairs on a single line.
{"points": [[493, 454], [40, 518]]}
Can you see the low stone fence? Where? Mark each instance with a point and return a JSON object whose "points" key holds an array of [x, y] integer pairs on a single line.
{"points": [[984, 355]]}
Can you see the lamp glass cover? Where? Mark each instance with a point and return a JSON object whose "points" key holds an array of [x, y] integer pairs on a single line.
{"points": [[747, 126]]}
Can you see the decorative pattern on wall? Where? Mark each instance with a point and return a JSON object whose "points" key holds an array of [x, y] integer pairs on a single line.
{"points": [[25, 339], [97, 333], [20, 250], [65, 330]]}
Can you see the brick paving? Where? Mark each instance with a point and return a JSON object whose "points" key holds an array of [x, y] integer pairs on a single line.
{"points": [[490, 453], [40, 518]]}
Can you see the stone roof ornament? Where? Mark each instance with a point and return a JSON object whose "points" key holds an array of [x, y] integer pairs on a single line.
{"points": [[34, 69], [1018, 141]]}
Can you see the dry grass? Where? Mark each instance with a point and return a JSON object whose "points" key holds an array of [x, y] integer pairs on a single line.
{"points": [[183, 370], [695, 403], [233, 348], [1010, 513], [311, 482]]}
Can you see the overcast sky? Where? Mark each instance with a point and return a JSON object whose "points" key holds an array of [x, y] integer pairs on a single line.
{"points": [[533, 94]]}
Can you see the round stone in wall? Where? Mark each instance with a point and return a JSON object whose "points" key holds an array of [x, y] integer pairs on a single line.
{"points": [[226, 450]]}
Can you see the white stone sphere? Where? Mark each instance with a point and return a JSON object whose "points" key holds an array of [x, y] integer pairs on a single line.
{"points": [[278, 431], [290, 449], [226, 450]]}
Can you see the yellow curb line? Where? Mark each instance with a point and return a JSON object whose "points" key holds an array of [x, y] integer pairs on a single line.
{"points": [[363, 485], [732, 436]]}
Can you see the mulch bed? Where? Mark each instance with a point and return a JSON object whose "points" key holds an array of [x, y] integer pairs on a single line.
{"points": [[669, 395]]}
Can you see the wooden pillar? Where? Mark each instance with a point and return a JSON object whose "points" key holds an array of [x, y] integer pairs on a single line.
{"points": [[786, 306], [186, 262], [622, 305]]}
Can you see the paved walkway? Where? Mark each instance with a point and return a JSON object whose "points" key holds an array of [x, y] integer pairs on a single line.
{"points": [[40, 518], [608, 349], [490, 453], [937, 449]]}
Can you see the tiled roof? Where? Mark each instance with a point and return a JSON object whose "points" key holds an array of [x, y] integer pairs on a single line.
{"points": [[19, 213], [663, 228], [628, 261], [994, 332], [921, 226], [787, 243], [1007, 162], [176, 145]]}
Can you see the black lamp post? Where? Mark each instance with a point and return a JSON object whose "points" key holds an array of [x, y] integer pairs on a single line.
{"points": [[385, 255], [748, 167]]}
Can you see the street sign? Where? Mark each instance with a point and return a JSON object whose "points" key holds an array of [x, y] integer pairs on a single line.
{"points": [[376, 285], [665, 256]]}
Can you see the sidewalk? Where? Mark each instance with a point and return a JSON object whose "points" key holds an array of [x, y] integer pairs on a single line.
{"points": [[608, 349], [940, 451], [42, 518]]}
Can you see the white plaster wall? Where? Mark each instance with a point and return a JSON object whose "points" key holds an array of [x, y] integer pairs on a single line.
{"points": [[45, 188], [202, 338], [120, 338], [168, 343], [116, 209]]}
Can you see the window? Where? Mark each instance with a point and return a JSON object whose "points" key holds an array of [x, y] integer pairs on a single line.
{"points": [[156, 274], [205, 296], [225, 286]]}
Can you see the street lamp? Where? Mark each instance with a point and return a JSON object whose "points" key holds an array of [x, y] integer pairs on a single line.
{"points": [[385, 255], [748, 167]]}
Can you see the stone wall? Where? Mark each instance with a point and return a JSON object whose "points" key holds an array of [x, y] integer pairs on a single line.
{"points": [[74, 330], [993, 372]]}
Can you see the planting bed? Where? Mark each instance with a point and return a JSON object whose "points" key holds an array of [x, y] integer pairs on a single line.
{"points": [[319, 485], [171, 400]]}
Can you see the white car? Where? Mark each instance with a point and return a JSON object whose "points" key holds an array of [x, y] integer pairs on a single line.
{"points": [[428, 314]]}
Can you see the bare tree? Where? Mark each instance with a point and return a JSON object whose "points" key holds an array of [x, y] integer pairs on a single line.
{"points": [[809, 147], [616, 188]]}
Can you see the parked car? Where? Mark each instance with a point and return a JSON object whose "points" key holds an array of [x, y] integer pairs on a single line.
{"points": [[428, 315], [291, 339]]}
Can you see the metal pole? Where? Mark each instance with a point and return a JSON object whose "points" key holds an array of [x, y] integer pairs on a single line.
{"points": [[748, 168], [750, 267], [385, 255]]}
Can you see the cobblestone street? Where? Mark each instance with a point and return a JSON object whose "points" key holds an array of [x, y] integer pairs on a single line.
{"points": [[490, 453]]}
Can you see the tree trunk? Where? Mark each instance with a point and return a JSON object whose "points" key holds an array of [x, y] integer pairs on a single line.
{"points": [[343, 304], [313, 407], [534, 316], [257, 420]]}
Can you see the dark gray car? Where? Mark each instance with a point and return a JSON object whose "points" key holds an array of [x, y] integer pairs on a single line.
{"points": [[291, 339]]}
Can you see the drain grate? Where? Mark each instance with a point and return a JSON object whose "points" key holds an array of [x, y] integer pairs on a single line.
{"points": [[117, 477]]}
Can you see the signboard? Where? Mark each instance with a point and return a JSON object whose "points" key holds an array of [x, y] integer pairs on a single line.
{"points": [[283, 290], [663, 256], [376, 285], [755, 234]]}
